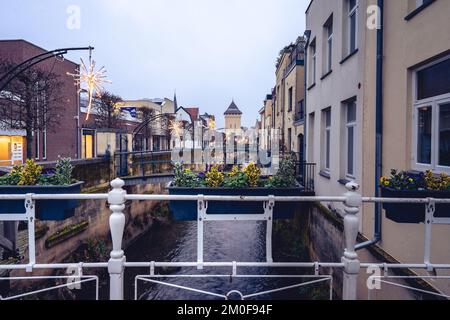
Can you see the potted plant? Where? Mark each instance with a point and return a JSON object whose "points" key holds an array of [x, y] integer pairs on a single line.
{"points": [[246, 182], [30, 178], [402, 184]]}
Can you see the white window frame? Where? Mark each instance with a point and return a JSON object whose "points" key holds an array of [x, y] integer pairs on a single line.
{"points": [[37, 135], [44, 149], [313, 62], [326, 153], [353, 11], [329, 46], [348, 125], [434, 103]]}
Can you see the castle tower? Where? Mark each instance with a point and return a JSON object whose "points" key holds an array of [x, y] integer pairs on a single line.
{"points": [[233, 117]]}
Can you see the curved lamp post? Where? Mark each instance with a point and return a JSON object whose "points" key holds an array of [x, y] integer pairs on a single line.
{"points": [[13, 73]]}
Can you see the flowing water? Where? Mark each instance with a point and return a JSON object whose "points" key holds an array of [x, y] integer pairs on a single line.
{"points": [[223, 242]]}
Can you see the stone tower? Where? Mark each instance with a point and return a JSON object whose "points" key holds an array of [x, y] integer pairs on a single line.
{"points": [[233, 117]]}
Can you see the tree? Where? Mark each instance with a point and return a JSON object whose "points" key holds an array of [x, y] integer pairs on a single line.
{"points": [[31, 102], [106, 112]]}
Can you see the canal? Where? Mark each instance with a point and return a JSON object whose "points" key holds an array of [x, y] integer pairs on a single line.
{"points": [[171, 241], [224, 242]]}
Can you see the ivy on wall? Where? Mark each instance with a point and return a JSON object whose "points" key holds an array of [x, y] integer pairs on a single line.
{"points": [[66, 233]]}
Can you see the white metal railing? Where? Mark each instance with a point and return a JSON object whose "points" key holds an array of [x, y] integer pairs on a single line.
{"points": [[117, 198]]}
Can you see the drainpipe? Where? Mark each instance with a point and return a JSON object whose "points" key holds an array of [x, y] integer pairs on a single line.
{"points": [[379, 130], [307, 34]]}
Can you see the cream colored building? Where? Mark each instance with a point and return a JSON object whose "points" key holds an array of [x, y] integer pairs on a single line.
{"points": [[415, 104], [284, 108], [157, 137], [233, 117]]}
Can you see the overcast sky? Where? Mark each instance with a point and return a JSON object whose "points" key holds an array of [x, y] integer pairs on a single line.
{"points": [[210, 51]]}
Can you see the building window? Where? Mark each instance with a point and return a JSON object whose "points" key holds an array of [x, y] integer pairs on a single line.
{"points": [[289, 139], [431, 149], [310, 136], [416, 6], [313, 67], [326, 145], [329, 45], [37, 146], [352, 25], [350, 138], [44, 145], [88, 144], [290, 99], [300, 114]]}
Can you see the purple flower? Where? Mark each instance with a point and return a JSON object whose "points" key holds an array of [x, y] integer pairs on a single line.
{"points": [[201, 175]]}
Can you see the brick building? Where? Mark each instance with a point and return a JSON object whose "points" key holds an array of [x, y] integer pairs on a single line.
{"points": [[60, 141]]}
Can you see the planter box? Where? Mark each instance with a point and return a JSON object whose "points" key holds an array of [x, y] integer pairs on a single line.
{"points": [[49, 210], [187, 210], [413, 213]]}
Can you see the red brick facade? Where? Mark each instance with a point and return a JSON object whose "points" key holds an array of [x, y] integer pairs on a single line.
{"points": [[61, 140]]}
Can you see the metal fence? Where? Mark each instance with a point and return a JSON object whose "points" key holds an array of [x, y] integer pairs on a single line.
{"points": [[142, 163], [117, 199]]}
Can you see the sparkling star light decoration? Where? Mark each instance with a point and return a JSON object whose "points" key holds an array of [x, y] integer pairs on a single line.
{"points": [[92, 80], [176, 127]]}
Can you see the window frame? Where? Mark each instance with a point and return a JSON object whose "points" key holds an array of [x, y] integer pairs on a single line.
{"points": [[350, 13], [435, 103], [44, 144], [326, 145], [329, 35], [290, 98], [313, 67], [352, 124]]}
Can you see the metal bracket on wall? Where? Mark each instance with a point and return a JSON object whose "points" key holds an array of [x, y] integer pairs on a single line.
{"points": [[430, 219]]}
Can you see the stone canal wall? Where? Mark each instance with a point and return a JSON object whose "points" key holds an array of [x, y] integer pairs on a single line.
{"points": [[56, 241], [323, 236]]}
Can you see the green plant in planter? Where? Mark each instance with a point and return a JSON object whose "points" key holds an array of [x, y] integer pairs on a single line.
{"points": [[285, 177], [30, 174], [186, 178], [13, 177], [439, 183], [63, 173], [214, 178], [253, 173], [238, 180]]}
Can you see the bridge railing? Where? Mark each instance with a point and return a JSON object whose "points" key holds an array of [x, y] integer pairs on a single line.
{"points": [[142, 163], [117, 198]]}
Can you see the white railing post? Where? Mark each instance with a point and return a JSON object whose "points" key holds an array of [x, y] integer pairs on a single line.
{"points": [[351, 224], [116, 200]]}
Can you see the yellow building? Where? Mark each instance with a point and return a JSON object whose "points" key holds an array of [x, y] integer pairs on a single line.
{"points": [[284, 109]]}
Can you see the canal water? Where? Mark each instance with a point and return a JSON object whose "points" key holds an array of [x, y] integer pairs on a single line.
{"points": [[223, 242]]}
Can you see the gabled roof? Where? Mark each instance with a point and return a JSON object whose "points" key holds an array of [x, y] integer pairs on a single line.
{"points": [[193, 112], [233, 109]]}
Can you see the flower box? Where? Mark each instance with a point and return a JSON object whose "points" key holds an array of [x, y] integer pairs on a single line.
{"points": [[48, 210], [413, 213], [187, 210]]}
